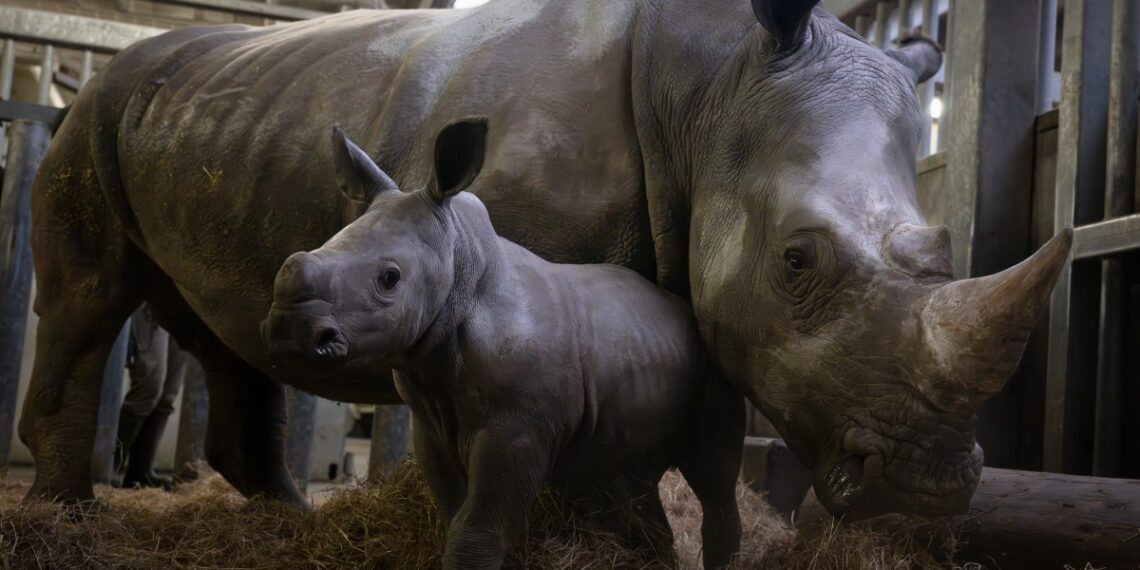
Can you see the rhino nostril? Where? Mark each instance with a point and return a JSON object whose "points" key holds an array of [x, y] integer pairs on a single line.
{"points": [[328, 343]]}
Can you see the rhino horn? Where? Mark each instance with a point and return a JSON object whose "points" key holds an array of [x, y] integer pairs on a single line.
{"points": [[977, 329], [785, 20]]}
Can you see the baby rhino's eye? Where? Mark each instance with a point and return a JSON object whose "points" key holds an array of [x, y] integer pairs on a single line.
{"points": [[389, 278]]}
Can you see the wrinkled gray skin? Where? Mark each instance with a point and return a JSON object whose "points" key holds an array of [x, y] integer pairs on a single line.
{"points": [[756, 159], [518, 371]]}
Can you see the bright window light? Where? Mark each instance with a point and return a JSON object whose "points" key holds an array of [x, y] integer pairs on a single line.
{"points": [[936, 108], [469, 3]]}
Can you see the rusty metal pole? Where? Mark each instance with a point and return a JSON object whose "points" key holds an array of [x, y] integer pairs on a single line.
{"points": [[191, 445], [110, 402], [29, 141], [299, 435]]}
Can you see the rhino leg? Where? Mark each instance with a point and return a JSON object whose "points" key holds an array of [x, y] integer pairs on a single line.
{"points": [[507, 470], [88, 283], [245, 432], [655, 535], [447, 484], [711, 466]]}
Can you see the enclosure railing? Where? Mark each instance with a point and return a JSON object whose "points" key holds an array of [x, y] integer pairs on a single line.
{"points": [[1097, 196]]}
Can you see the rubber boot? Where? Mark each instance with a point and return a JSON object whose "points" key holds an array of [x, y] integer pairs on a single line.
{"points": [[140, 460], [128, 431]]}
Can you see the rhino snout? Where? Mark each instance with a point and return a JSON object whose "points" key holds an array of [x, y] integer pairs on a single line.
{"points": [[294, 332]]}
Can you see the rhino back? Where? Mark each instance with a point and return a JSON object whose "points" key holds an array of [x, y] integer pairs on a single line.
{"points": [[225, 164]]}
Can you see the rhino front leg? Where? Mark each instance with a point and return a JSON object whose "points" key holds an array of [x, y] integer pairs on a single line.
{"points": [[711, 465], [506, 472], [245, 433], [448, 485]]}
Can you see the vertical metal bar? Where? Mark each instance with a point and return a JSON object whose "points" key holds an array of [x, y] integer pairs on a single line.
{"points": [[926, 90], [110, 401], [299, 435], [391, 432], [863, 25], [30, 141], [86, 70], [1108, 448], [7, 69], [47, 72], [906, 19], [1046, 56], [191, 443], [882, 23], [945, 121], [1079, 197]]}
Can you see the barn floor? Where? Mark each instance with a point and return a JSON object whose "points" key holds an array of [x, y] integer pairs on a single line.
{"points": [[206, 524]]}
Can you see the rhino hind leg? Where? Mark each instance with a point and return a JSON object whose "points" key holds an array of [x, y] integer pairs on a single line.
{"points": [[711, 466], [88, 276], [245, 431]]}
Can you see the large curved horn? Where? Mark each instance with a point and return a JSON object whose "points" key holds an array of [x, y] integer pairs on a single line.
{"points": [[977, 329]]}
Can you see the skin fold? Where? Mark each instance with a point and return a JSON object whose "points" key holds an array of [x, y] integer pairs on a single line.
{"points": [[754, 158], [518, 371]]}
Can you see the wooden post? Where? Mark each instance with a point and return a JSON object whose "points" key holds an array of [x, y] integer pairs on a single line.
{"points": [[994, 66]]}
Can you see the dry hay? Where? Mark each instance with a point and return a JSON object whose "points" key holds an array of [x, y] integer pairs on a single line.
{"points": [[395, 524]]}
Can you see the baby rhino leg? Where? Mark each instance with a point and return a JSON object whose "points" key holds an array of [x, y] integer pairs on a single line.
{"points": [[506, 471], [711, 466]]}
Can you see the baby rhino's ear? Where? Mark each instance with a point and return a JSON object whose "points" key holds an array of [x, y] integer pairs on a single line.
{"points": [[357, 176], [459, 152]]}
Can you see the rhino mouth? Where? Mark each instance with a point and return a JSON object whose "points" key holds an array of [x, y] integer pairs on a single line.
{"points": [[298, 334], [900, 476]]}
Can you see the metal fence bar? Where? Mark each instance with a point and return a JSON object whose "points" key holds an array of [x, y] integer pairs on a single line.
{"points": [[882, 23], [65, 30], [1080, 183], [1046, 56], [249, 8], [7, 69], [1108, 448], [926, 90], [863, 25], [906, 19], [29, 144], [47, 71], [87, 68]]}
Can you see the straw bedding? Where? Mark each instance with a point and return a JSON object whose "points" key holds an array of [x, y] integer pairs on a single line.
{"points": [[393, 523]]}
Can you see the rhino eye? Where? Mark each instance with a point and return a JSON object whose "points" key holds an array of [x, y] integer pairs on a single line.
{"points": [[389, 278], [796, 261]]}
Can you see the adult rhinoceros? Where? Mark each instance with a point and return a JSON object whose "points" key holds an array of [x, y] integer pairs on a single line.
{"points": [[757, 159]]}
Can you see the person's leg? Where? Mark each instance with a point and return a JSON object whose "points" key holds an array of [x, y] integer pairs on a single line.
{"points": [[147, 376], [140, 463]]}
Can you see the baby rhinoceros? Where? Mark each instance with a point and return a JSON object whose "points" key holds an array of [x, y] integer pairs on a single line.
{"points": [[518, 372]]}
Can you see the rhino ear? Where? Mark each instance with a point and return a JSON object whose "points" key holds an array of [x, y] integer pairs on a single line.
{"points": [[459, 152], [785, 20], [919, 53], [357, 177]]}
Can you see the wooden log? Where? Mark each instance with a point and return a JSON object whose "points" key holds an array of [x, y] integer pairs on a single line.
{"points": [[1021, 519], [1027, 520]]}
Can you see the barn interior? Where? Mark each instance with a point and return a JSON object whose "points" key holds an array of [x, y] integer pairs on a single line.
{"points": [[1031, 128]]}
